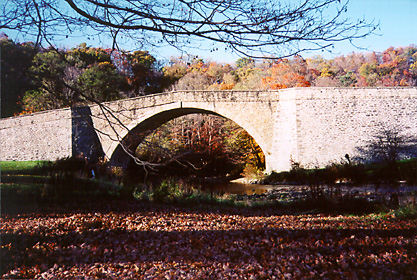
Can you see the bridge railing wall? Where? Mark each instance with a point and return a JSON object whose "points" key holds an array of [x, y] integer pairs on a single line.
{"points": [[40, 136]]}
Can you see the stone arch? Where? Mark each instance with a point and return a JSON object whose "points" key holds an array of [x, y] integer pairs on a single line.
{"points": [[133, 138]]}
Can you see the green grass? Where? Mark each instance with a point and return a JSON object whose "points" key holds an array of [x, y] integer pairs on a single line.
{"points": [[19, 167], [28, 186]]}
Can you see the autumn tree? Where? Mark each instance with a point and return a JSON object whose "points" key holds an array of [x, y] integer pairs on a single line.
{"points": [[243, 149], [285, 75], [392, 67], [219, 75], [101, 82], [82, 56], [142, 75], [200, 145], [174, 70], [196, 74], [74, 77], [249, 76], [245, 62], [16, 58], [193, 76], [48, 72]]}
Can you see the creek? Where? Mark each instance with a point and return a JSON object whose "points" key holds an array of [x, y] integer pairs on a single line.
{"points": [[405, 193]]}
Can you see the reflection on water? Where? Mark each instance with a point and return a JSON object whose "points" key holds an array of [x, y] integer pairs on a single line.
{"points": [[237, 188], [249, 189]]}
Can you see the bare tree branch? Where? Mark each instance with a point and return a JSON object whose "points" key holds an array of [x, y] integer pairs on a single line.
{"points": [[261, 28]]}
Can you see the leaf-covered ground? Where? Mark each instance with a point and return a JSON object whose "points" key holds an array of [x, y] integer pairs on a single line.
{"points": [[156, 242]]}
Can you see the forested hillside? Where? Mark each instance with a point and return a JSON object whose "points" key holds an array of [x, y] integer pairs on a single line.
{"points": [[35, 80]]}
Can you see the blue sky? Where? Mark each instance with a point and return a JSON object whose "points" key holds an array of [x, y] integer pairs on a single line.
{"points": [[398, 23], [398, 27]]}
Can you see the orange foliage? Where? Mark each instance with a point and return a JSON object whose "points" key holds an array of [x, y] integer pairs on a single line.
{"points": [[224, 86], [269, 82], [403, 83], [283, 76], [24, 112]]}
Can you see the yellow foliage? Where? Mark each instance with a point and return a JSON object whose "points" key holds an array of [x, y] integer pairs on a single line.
{"points": [[325, 72]]}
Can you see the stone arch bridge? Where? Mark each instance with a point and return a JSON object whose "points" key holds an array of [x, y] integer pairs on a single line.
{"points": [[311, 126]]}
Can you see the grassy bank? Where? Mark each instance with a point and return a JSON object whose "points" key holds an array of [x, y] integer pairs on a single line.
{"points": [[32, 186], [27, 186], [353, 173], [20, 167]]}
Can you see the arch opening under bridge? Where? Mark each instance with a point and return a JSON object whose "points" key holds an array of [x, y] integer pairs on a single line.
{"points": [[143, 128]]}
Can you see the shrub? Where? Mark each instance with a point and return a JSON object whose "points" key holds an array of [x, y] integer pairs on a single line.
{"points": [[354, 173], [406, 211], [73, 178], [65, 170], [252, 172], [297, 174], [408, 171], [167, 191]]}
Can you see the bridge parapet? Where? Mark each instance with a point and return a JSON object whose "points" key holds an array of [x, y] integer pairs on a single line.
{"points": [[312, 126], [39, 136]]}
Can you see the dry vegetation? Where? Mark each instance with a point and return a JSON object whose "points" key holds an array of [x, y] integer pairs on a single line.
{"points": [[148, 241]]}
